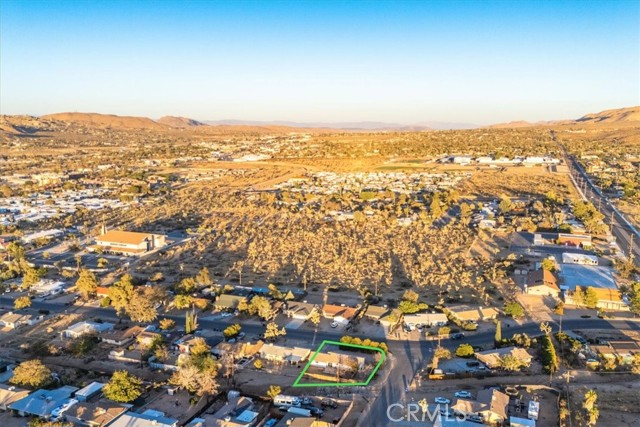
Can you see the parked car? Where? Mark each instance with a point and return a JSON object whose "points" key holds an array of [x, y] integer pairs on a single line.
{"points": [[457, 336], [442, 400], [328, 403], [463, 394]]}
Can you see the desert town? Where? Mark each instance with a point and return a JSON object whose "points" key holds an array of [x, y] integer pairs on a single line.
{"points": [[480, 288]]}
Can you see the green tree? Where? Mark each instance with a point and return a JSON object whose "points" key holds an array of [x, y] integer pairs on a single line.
{"points": [[548, 264], [436, 206], [123, 387], [410, 295], [141, 308], [441, 353], [187, 286], [258, 364], [314, 317], [167, 324], [590, 298], [182, 302], [465, 350], [86, 284], [273, 391], [31, 277], [513, 309], [232, 331], [190, 322], [31, 373], [121, 294], [497, 338], [505, 204], [22, 302], [272, 331], [634, 297], [6, 191], [511, 363], [203, 278]]}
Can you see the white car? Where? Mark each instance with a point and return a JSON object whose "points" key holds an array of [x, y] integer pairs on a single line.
{"points": [[442, 400], [463, 394], [334, 325]]}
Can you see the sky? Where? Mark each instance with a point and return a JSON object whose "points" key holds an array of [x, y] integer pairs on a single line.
{"points": [[396, 61]]}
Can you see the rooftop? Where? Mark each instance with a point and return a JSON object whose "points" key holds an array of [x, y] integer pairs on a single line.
{"points": [[587, 275]]}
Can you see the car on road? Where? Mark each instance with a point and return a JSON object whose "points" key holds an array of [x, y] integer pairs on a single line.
{"points": [[457, 336], [463, 394], [334, 324], [442, 400]]}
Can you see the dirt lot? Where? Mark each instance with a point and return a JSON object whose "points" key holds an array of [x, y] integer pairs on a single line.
{"points": [[619, 404]]}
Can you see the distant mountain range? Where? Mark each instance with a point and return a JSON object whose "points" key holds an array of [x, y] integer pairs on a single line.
{"points": [[17, 125], [367, 125]]}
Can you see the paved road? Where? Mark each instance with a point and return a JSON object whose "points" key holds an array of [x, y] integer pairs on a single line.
{"points": [[627, 236]]}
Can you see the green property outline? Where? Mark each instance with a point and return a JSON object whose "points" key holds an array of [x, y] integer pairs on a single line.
{"points": [[347, 384]]}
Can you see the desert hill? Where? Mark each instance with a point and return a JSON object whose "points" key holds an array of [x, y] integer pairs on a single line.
{"points": [[179, 122], [630, 114], [107, 120]]}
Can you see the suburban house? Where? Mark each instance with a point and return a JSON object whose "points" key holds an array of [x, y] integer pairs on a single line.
{"points": [[11, 320], [238, 349], [228, 302], [102, 291], [82, 328], [128, 242], [465, 313], [185, 343], [47, 287], [622, 351], [541, 282], [583, 259], [521, 422], [294, 420], [88, 392], [578, 240], [338, 361], [147, 419], [491, 405], [492, 358], [375, 312], [425, 319], [299, 310], [171, 364], [10, 394], [608, 299], [291, 355], [121, 337], [98, 414], [238, 411], [124, 355], [42, 402], [146, 338], [338, 313]]}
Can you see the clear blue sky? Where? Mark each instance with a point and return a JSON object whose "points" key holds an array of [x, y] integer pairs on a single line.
{"points": [[397, 61]]}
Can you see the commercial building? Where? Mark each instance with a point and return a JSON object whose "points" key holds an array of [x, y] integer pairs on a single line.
{"points": [[128, 242]]}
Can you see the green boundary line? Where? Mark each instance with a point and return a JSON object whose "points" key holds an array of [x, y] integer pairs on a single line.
{"points": [[347, 384]]}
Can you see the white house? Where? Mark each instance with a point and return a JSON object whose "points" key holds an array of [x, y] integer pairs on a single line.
{"points": [[425, 319], [82, 328]]}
